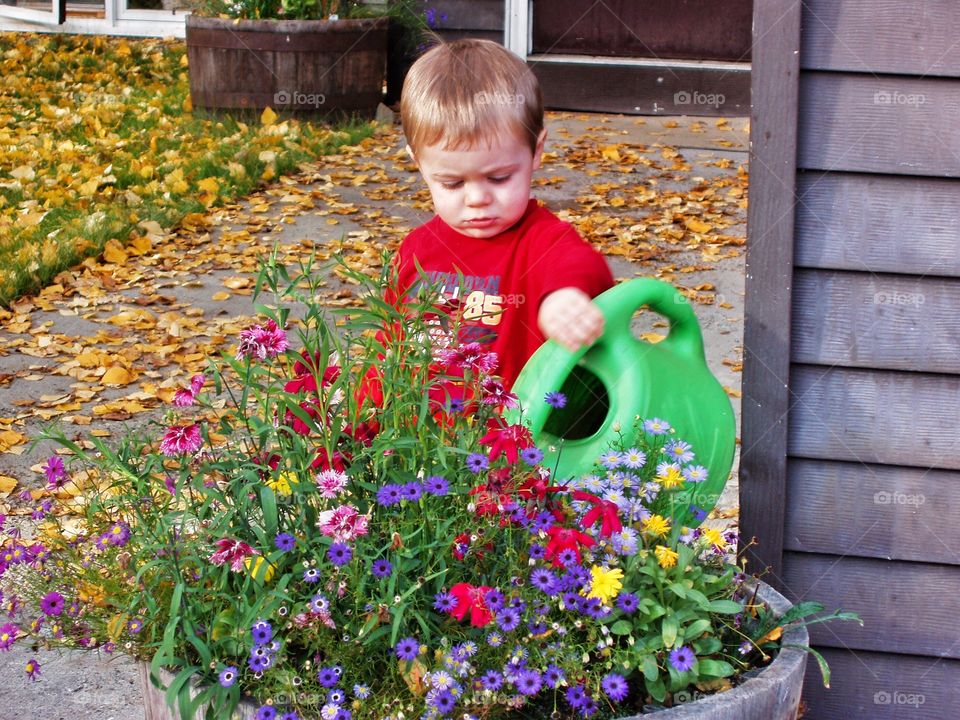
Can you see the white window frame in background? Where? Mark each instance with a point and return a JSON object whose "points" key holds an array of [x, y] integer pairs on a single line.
{"points": [[117, 20]]}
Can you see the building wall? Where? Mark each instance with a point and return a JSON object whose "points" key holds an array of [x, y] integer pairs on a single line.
{"points": [[870, 304]]}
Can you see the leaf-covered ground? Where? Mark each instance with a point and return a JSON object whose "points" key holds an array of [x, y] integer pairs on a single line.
{"points": [[99, 148]]}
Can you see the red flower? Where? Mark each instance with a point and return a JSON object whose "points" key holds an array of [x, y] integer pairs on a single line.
{"points": [[604, 510], [509, 440], [325, 461], [470, 599], [566, 539], [305, 373]]}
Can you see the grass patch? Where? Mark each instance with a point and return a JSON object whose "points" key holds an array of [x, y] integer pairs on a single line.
{"points": [[97, 135]]}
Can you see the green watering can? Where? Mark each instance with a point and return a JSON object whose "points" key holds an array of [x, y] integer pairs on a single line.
{"points": [[621, 377]]}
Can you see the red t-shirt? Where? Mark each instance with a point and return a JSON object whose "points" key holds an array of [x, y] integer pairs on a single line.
{"points": [[504, 278]]}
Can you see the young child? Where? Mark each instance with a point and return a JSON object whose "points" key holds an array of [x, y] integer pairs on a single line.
{"points": [[473, 119]]}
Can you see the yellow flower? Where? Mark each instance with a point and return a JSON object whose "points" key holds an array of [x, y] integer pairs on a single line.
{"points": [[605, 583], [665, 556], [283, 483], [254, 565], [672, 479], [656, 525], [714, 537]]}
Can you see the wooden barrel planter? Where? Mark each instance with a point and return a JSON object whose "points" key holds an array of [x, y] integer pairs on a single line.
{"points": [[772, 694], [309, 66]]}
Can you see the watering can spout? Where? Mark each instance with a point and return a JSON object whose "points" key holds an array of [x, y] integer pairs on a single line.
{"points": [[621, 379]]}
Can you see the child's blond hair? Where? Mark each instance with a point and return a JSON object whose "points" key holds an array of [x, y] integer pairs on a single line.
{"points": [[467, 92]]}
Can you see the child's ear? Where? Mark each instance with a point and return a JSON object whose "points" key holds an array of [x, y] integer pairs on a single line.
{"points": [[538, 150]]}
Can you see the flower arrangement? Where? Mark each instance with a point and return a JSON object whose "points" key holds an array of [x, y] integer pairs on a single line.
{"points": [[299, 9], [337, 522]]}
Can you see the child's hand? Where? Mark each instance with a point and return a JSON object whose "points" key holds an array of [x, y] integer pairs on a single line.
{"points": [[569, 316]]}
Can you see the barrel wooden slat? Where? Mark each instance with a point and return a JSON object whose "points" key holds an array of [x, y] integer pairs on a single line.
{"points": [[305, 65]]}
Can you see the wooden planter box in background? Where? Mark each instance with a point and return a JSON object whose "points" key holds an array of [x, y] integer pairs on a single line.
{"points": [[315, 66]]}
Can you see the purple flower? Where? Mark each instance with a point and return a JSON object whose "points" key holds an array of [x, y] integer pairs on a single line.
{"points": [[134, 626], [544, 580], [492, 680], [32, 668], [508, 619], [328, 677], [339, 554], [529, 682], [553, 676], [656, 426], [555, 399], [52, 603], [285, 542], [543, 521], [118, 534], [389, 495], [695, 474], [411, 491], [436, 485], [615, 686], [55, 472], [381, 568], [477, 463], [495, 599], [576, 696], [262, 632], [628, 602], [444, 602], [407, 649], [567, 557], [228, 676], [311, 575], [444, 702], [678, 450], [537, 551], [337, 696], [8, 633], [682, 659], [531, 455], [266, 712]]}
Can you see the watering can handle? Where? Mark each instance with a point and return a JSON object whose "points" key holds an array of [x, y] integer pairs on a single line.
{"points": [[552, 363]]}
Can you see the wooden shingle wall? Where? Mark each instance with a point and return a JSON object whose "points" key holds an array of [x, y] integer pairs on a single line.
{"points": [[851, 420]]}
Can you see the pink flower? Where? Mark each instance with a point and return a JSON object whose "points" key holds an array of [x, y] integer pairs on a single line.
{"points": [[183, 398], [343, 524], [331, 482], [494, 393], [470, 356], [262, 342], [181, 440], [55, 472], [196, 383], [232, 551]]}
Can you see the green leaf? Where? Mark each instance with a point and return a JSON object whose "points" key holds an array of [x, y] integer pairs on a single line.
{"points": [[725, 607], [696, 629], [678, 590], [656, 688], [649, 668], [270, 517], [669, 631], [621, 627], [698, 597], [395, 628], [821, 662], [714, 668]]}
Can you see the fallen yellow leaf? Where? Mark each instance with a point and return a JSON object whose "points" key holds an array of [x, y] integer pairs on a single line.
{"points": [[117, 375]]}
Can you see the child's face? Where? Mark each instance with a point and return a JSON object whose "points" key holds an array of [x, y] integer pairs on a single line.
{"points": [[482, 191]]}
